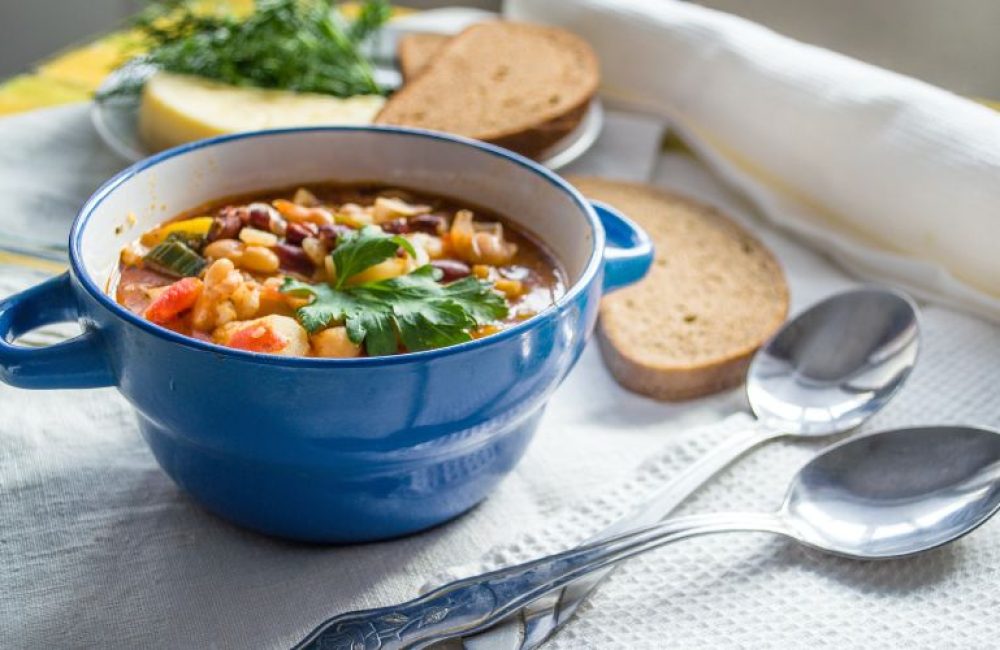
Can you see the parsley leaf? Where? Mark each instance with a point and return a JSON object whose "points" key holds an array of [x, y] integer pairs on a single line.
{"points": [[414, 309], [361, 249], [328, 304]]}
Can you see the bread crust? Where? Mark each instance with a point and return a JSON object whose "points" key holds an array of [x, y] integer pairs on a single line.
{"points": [[673, 384], [719, 364]]}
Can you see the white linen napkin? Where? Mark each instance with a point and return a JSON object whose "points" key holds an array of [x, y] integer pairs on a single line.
{"points": [[894, 178]]}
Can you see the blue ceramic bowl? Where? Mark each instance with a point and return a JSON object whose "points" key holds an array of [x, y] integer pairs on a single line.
{"points": [[326, 450]]}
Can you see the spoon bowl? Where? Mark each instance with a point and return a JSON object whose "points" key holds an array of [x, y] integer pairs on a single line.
{"points": [[836, 364], [897, 492]]}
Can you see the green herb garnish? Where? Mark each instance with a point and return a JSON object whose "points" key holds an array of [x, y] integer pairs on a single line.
{"points": [[414, 309], [361, 249], [297, 45], [175, 257]]}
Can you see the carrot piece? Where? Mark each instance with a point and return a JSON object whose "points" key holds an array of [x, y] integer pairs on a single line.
{"points": [[257, 338], [176, 298]]}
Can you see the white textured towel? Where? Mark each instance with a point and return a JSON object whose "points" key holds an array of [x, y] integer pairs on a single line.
{"points": [[895, 178]]}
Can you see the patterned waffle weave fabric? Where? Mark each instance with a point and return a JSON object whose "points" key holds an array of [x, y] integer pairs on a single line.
{"points": [[756, 590]]}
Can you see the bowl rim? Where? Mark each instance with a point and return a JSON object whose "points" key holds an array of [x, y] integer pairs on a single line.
{"points": [[590, 270]]}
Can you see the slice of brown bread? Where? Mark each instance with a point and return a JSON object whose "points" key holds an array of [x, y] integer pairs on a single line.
{"points": [[415, 51], [712, 297], [517, 85]]}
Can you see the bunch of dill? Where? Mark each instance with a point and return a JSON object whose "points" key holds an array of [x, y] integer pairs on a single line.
{"points": [[297, 45]]}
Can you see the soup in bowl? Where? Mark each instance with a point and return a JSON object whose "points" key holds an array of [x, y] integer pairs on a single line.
{"points": [[337, 272], [364, 430]]}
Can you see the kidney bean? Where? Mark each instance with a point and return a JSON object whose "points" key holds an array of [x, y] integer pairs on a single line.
{"points": [[330, 234], [226, 225], [240, 211], [397, 226], [432, 224], [293, 258], [296, 232], [262, 217], [451, 269]]}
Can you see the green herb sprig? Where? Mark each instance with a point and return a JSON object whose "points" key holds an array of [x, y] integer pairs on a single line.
{"points": [[297, 45], [414, 309]]}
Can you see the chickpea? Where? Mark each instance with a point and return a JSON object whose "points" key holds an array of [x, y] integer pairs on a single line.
{"points": [[214, 307], [221, 276], [259, 259], [334, 342], [246, 300], [225, 312]]}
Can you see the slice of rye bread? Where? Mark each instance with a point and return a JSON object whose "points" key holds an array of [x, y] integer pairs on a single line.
{"points": [[415, 51], [516, 85], [713, 295]]}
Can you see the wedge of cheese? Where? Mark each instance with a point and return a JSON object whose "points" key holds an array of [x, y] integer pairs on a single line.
{"points": [[176, 109]]}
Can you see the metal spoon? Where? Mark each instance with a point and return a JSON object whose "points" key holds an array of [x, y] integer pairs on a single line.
{"points": [[825, 372], [880, 496]]}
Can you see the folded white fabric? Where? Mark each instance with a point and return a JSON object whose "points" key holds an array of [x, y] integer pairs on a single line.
{"points": [[896, 179]]}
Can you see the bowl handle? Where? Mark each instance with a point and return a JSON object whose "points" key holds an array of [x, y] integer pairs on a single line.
{"points": [[77, 363], [629, 251]]}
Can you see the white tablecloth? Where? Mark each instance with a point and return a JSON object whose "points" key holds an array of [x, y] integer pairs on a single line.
{"points": [[99, 549]]}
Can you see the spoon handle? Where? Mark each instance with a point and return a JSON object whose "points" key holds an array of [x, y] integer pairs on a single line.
{"points": [[544, 616], [475, 603]]}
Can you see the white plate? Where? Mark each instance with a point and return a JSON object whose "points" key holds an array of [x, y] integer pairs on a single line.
{"points": [[116, 121]]}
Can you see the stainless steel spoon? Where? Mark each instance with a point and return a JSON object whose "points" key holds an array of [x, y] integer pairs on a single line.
{"points": [[879, 496], [825, 372]]}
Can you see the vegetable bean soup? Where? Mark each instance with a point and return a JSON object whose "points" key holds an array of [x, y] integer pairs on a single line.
{"points": [[337, 271]]}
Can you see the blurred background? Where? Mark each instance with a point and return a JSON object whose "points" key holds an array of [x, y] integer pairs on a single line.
{"points": [[951, 43]]}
